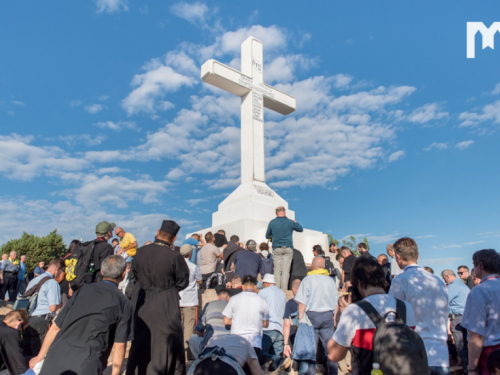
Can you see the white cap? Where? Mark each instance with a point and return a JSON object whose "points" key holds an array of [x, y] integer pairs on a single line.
{"points": [[269, 278]]}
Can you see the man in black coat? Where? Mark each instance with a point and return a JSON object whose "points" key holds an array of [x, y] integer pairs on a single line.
{"points": [[161, 274]]}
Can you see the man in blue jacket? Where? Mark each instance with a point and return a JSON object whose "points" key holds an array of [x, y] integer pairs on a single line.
{"points": [[280, 231]]}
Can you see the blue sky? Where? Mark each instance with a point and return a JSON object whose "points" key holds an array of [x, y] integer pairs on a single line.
{"points": [[103, 117]]}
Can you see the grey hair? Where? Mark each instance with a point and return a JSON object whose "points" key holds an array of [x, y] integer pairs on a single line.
{"points": [[448, 273], [252, 245], [113, 267]]}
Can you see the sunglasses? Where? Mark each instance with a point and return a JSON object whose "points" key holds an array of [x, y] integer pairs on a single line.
{"points": [[461, 273]]}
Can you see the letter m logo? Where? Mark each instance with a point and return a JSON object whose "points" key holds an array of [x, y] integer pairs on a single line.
{"points": [[487, 33]]}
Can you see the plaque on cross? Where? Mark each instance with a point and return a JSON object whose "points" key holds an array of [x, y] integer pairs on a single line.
{"points": [[255, 95]]}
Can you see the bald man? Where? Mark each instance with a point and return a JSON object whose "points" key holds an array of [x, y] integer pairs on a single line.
{"points": [[317, 298], [128, 243]]}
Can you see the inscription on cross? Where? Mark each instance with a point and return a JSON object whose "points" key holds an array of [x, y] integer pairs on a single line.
{"points": [[255, 95]]}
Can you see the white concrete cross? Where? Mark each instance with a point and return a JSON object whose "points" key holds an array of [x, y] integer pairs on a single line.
{"points": [[255, 95]]}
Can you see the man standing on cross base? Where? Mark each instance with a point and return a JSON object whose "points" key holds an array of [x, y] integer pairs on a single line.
{"points": [[161, 274], [280, 232]]}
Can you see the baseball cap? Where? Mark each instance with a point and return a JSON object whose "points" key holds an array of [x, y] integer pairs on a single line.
{"points": [[186, 249], [104, 227]]}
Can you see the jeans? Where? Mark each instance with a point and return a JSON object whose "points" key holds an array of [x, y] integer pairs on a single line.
{"points": [[282, 258], [272, 347], [439, 370], [323, 330], [21, 286]]}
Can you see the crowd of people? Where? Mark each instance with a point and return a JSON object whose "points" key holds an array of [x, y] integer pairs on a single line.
{"points": [[271, 310]]}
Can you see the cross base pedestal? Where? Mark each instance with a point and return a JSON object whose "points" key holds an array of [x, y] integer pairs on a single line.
{"points": [[247, 212]]}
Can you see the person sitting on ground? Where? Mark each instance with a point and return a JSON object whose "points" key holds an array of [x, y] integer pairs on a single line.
{"points": [[355, 328], [96, 317], [11, 349], [272, 341], [210, 323], [229, 355], [248, 313], [248, 262]]}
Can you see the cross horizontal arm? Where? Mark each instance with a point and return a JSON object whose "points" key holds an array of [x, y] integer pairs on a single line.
{"points": [[278, 101], [225, 77]]}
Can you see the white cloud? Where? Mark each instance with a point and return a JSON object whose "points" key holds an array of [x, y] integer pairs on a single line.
{"points": [[72, 221], [111, 6], [23, 161], [89, 140], [117, 190], [490, 112], [18, 103], [436, 146], [194, 13], [396, 156], [153, 86], [75, 103], [94, 108], [118, 126], [464, 145], [384, 239], [426, 113], [110, 170], [103, 98], [496, 90], [425, 236]]}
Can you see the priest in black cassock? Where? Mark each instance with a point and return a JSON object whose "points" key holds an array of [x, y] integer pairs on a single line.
{"points": [[161, 273]]}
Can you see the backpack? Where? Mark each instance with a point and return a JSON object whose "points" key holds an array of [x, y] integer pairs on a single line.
{"points": [[29, 299], [396, 347], [80, 265]]}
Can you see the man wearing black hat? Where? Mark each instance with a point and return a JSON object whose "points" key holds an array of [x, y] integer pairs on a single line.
{"points": [[161, 273]]}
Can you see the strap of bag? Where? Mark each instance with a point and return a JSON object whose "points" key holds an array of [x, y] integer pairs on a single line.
{"points": [[372, 313], [401, 310], [35, 288]]}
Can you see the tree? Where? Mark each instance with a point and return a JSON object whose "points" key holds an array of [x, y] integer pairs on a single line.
{"points": [[37, 249], [350, 242]]}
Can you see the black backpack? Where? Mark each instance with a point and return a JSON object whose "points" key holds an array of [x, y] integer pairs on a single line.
{"points": [[80, 265], [396, 347]]}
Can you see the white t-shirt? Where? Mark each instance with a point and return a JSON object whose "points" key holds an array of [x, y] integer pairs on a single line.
{"points": [[235, 346], [354, 321], [395, 270], [247, 310], [189, 296], [427, 295]]}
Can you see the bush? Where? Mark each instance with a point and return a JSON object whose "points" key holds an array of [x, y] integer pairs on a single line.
{"points": [[37, 249]]}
